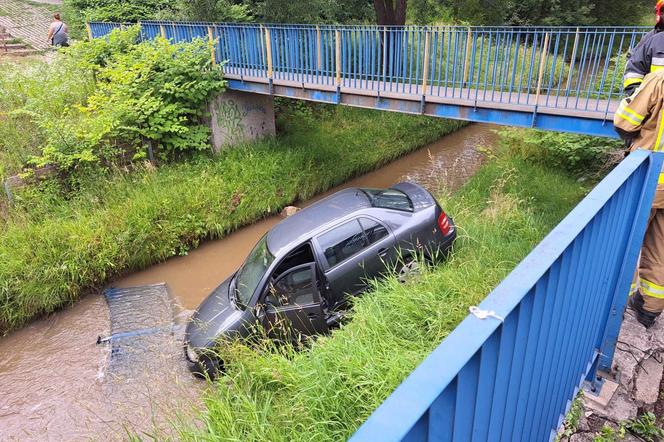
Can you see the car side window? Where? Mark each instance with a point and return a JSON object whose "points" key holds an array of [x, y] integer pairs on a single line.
{"points": [[296, 287], [374, 230], [342, 242]]}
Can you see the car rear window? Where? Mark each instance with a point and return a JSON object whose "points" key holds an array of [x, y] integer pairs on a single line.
{"points": [[389, 199]]}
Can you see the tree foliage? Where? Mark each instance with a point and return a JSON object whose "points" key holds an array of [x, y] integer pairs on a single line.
{"points": [[547, 12], [385, 12], [148, 93], [77, 12], [277, 11], [208, 10]]}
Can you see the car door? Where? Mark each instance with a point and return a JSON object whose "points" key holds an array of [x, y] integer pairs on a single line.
{"points": [[293, 304], [354, 255], [336, 247], [380, 253]]}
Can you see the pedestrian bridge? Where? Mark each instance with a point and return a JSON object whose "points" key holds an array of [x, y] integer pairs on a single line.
{"points": [[564, 79]]}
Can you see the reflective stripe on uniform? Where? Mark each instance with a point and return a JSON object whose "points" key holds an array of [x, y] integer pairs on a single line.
{"points": [[626, 109], [661, 178], [651, 289], [629, 115], [657, 64], [658, 143], [631, 81]]}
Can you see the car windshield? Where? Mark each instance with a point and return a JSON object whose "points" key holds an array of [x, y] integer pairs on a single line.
{"points": [[389, 199], [252, 271]]}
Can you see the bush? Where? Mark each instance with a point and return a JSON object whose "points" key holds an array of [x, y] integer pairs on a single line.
{"points": [[34, 94], [578, 154], [105, 100], [77, 12]]}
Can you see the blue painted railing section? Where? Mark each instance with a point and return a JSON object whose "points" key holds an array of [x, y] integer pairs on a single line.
{"points": [[512, 378], [555, 68]]}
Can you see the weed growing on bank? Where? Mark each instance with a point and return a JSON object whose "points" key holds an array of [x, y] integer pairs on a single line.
{"points": [[59, 242], [325, 393], [581, 155]]}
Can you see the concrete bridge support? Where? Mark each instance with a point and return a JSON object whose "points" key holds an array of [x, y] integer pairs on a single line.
{"points": [[238, 116]]}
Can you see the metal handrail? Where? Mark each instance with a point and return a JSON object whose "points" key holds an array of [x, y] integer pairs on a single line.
{"points": [[559, 312], [577, 69]]}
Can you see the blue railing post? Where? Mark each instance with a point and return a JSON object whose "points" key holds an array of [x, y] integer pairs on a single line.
{"points": [[608, 342]]}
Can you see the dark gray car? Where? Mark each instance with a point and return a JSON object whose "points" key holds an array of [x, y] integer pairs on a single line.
{"points": [[299, 276]]}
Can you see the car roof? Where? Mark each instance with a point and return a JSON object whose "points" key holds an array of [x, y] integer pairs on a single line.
{"points": [[310, 220]]}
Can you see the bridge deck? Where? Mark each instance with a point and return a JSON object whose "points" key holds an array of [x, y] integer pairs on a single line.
{"points": [[571, 106]]}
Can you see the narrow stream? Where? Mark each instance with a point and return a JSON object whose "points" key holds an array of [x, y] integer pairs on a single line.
{"points": [[54, 383]]}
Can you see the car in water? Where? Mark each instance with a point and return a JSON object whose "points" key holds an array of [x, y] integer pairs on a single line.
{"points": [[297, 280]]}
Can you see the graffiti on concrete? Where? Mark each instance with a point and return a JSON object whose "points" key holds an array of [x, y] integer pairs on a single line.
{"points": [[230, 121], [234, 123], [238, 117]]}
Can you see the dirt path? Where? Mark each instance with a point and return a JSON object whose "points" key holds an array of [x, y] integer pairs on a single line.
{"points": [[28, 19]]}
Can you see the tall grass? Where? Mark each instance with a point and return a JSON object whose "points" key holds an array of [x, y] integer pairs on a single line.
{"points": [[59, 243], [35, 93], [326, 392]]}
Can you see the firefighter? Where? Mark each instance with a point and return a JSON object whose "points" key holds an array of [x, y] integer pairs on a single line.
{"points": [[640, 118], [648, 55]]}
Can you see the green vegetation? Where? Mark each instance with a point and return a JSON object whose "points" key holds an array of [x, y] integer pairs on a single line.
{"points": [[327, 391], [573, 418], [77, 12], [475, 12], [584, 156], [65, 238], [608, 434], [645, 426], [103, 101]]}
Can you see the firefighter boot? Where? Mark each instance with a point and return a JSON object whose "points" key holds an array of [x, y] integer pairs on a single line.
{"points": [[644, 317]]}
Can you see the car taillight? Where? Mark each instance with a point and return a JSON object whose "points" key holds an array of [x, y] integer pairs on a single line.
{"points": [[444, 224]]}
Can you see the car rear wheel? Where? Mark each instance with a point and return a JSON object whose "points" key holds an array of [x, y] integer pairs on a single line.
{"points": [[408, 271]]}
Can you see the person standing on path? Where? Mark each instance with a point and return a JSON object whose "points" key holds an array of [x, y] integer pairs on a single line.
{"points": [[58, 32], [640, 119]]}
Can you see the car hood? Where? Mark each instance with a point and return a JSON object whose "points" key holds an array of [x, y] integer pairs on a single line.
{"points": [[215, 318]]}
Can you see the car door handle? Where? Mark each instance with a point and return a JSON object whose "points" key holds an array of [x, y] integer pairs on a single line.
{"points": [[383, 252], [312, 315]]}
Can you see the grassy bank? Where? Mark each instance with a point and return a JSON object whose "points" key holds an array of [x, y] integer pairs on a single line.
{"points": [[327, 392], [57, 243]]}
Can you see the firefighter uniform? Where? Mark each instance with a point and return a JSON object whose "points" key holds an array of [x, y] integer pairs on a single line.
{"points": [[640, 118], [646, 57]]}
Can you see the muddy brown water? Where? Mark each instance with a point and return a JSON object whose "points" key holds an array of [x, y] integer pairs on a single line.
{"points": [[54, 380]]}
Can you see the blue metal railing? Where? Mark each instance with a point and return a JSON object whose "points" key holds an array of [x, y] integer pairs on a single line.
{"points": [[513, 379], [577, 69]]}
